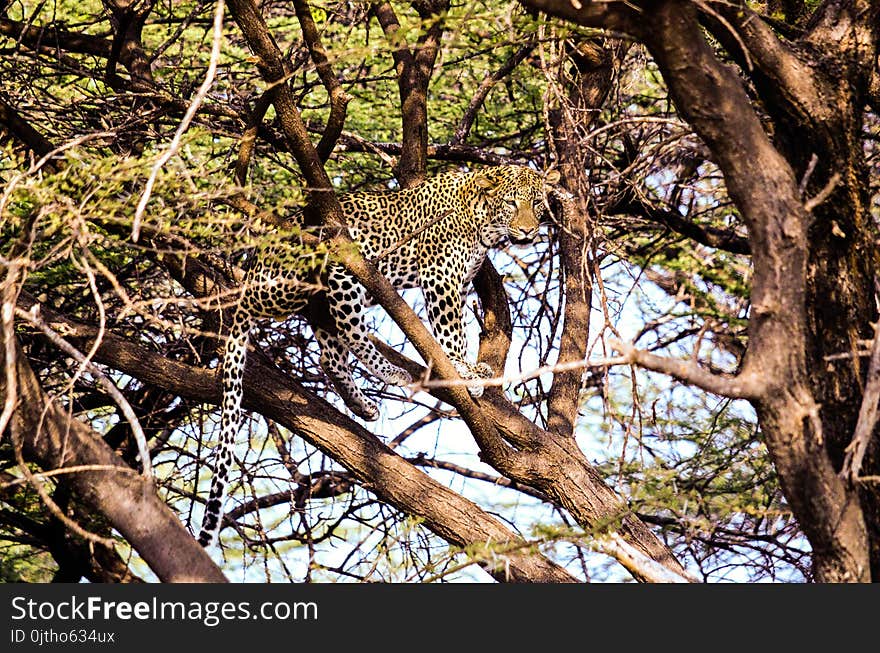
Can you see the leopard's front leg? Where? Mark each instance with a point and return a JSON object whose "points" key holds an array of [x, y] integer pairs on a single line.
{"points": [[443, 288]]}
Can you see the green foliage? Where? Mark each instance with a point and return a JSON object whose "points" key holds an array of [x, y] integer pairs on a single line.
{"points": [[24, 564]]}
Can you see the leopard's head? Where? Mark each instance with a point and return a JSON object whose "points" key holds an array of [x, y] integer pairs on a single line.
{"points": [[516, 201]]}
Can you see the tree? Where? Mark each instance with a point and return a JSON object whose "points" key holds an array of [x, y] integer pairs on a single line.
{"points": [[148, 150], [790, 145]]}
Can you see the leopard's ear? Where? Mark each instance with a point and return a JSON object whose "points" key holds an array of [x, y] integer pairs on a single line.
{"points": [[483, 181], [486, 183], [552, 177]]}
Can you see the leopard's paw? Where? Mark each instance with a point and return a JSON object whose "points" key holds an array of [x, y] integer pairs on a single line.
{"points": [[366, 410], [474, 373]]}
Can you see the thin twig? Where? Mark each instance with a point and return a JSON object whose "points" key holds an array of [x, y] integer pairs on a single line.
{"points": [[498, 481], [859, 353], [428, 418], [823, 194], [8, 307], [73, 469], [369, 146], [868, 415], [426, 383], [811, 167], [184, 124]]}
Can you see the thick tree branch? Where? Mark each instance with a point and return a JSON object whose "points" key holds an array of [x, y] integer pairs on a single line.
{"points": [[622, 17], [849, 28], [387, 18], [339, 99], [724, 239], [21, 131], [711, 97], [413, 76], [497, 330], [249, 137], [50, 37], [784, 77], [54, 440], [583, 91], [564, 395], [763, 185], [742, 386], [874, 87], [127, 18]]}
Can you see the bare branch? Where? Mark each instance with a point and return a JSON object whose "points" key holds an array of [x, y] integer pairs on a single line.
{"points": [[868, 415], [823, 194], [20, 129], [36, 36], [426, 383], [743, 386], [638, 563], [479, 97], [339, 99], [128, 21], [413, 76], [620, 16], [723, 239]]}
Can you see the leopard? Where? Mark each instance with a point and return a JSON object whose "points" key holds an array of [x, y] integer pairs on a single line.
{"points": [[434, 236]]}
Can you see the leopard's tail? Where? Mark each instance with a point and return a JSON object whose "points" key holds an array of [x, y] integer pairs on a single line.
{"points": [[234, 358]]}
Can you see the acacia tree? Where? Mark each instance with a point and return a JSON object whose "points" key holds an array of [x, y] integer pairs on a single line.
{"points": [[148, 150]]}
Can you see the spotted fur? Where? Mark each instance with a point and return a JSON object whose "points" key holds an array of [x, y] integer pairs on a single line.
{"points": [[466, 213]]}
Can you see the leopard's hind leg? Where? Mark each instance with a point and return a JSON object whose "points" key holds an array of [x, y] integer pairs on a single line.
{"points": [[334, 362], [347, 299]]}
